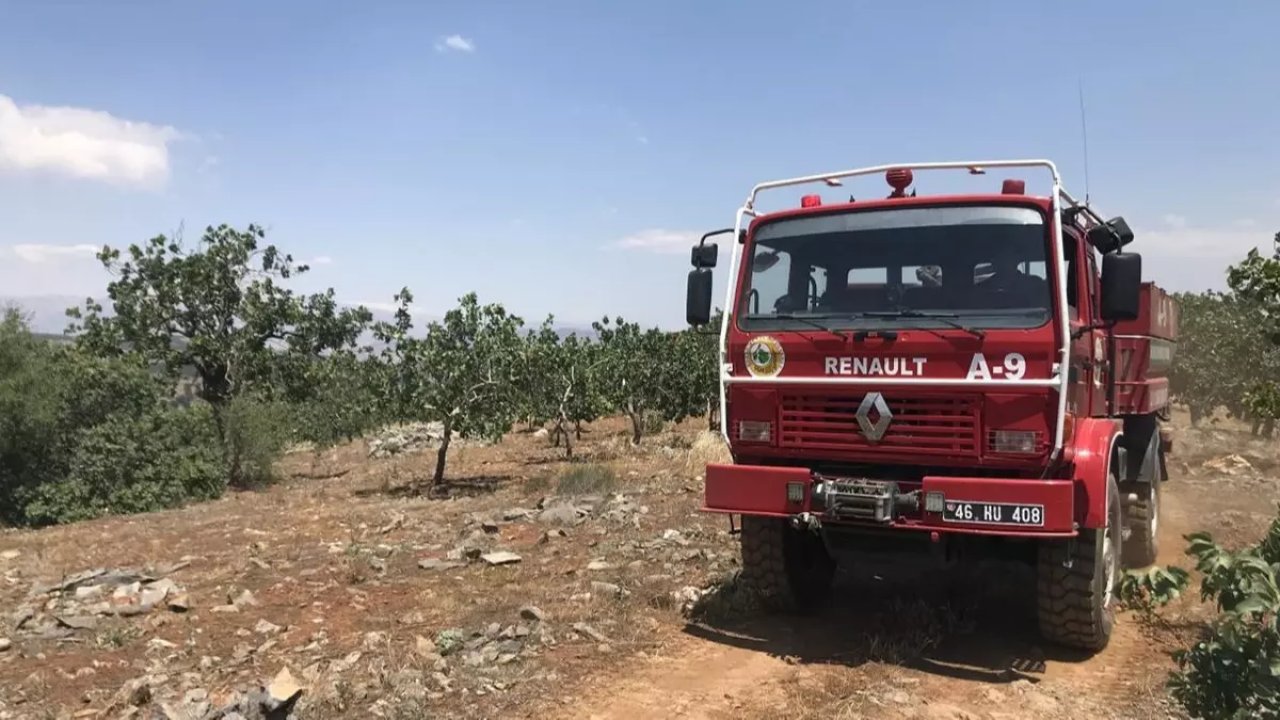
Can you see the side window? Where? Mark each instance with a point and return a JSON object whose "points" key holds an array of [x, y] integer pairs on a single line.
{"points": [[1034, 269], [914, 276], [869, 276], [769, 287]]}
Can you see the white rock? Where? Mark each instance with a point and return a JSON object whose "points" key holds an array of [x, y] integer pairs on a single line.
{"points": [[500, 557]]}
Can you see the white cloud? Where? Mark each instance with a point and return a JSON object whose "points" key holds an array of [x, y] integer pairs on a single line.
{"points": [[1175, 221], [39, 269], [320, 260], [665, 242], [455, 43], [1195, 257], [52, 254], [83, 143]]}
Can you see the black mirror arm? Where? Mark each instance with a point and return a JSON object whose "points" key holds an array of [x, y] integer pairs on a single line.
{"points": [[1080, 331], [713, 233]]}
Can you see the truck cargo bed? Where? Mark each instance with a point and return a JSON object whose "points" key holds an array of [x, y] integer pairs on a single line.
{"points": [[1144, 354]]}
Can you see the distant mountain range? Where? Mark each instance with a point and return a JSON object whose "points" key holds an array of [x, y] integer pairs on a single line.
{"points": [[48, 314]]}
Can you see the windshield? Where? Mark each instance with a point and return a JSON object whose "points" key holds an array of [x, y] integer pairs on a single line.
{"points": [[982, 265]]}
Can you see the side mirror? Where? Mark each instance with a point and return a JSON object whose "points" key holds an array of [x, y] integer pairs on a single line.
{"points": [[1121, 286], [704, 256], [1111, 236], [698, 302]]}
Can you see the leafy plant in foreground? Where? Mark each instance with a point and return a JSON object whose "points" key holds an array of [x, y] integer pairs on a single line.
{"points": [[1233, 671]]}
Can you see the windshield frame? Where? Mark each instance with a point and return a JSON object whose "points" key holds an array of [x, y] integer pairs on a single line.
{"points": [[851, 321]]}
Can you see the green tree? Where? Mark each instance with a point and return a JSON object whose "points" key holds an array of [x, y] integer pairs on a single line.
{"points": [[1221, 353], [220, 309], [696, 374], [462, 373], [1256, 281], [561, 382], [645, 372]]}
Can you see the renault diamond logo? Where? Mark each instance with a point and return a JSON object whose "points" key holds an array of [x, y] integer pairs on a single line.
{"points": [[873, 429]]}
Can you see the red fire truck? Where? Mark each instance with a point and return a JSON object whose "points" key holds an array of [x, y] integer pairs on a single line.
{"points": [[962, 375]]}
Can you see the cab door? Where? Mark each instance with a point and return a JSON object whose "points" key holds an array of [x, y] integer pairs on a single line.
{"points": [[1081, 281], [1099, 369]]}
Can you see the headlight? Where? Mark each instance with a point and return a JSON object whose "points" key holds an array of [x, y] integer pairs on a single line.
{"points": [[755, 431], [1025, 442]]}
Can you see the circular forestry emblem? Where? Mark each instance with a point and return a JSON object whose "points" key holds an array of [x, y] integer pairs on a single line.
{"points": [[765, 357]]}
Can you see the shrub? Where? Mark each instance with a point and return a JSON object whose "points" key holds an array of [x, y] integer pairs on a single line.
{"points": [[587, 480], [257, 432], [82, 437], [134, 464]]}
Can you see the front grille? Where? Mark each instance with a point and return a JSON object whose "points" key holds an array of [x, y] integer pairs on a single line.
{"points": [[921, 425]]}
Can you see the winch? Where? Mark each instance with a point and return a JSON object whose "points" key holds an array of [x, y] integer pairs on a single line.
{"points": [[861, 499]]}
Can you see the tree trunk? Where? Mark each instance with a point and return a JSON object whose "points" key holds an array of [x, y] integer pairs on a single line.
{"points": [[1196, 414], [443, 452], [637, 423], [562, 428], [1268, 428], [577, 428], [230, 448]]}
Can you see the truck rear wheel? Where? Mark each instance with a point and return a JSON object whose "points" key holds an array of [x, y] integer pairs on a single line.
{"points": [[787, 568], [1142, 520], [1076, 582]]}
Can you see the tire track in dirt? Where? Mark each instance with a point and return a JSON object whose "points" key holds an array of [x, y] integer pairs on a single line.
{"points": [[692, 679]]}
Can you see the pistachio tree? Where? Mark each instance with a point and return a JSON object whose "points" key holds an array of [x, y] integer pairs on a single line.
{"points": [[219, 309], [1220, 350], [1256, 282], [563, 382], [462, 373], [645, 373]]}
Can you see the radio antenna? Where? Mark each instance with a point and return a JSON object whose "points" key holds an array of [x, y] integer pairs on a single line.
{"points": [[1084, 137]]}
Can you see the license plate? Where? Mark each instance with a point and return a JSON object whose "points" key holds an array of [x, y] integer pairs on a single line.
{"points": [[986, 513]]}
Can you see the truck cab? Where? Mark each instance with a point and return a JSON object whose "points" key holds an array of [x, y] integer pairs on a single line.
{"points": [[957, 375]]}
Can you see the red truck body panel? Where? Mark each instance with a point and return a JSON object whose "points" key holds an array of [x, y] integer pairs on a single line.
{"points": [[1144, 354]]}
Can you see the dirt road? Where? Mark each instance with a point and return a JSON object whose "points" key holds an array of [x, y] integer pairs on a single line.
{"points": [[854, 658]]}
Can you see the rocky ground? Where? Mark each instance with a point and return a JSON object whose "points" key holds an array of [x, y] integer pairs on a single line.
{"points": [[537, 587]]}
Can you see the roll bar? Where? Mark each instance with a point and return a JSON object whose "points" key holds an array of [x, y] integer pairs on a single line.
{"points": [[1060, 371]]}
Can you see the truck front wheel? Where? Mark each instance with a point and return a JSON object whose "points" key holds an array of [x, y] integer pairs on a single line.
{"points": [[786, 568], [1076, 581]]}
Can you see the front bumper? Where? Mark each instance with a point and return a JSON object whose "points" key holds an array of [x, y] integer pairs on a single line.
{"points": [[794, 492]]}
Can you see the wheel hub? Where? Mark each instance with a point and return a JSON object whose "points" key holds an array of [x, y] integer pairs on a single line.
{"points": [[1110, 557], [1155, 510]]}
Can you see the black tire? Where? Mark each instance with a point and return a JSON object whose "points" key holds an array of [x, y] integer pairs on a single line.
{"points": [[1142, 520], [786, 568], [1075, 603]]}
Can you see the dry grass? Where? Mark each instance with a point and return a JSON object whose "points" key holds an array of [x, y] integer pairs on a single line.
{"points": [[587, 480], [707, 448]]}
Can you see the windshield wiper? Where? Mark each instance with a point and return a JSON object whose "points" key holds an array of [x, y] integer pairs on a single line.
{"points": [[945, 318], [810, 320]]}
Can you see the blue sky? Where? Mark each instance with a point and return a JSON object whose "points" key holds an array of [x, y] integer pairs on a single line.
{"points": [[559, 156]]}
